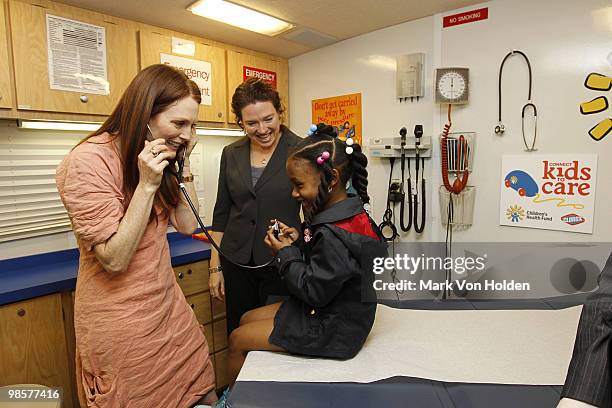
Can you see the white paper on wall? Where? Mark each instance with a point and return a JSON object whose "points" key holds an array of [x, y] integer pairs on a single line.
{"points": [[76, 56], [198, 71], [183, 47], [555, 191]]}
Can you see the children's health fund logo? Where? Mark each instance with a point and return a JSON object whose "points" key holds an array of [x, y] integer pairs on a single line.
{"points": [[515, 213]]}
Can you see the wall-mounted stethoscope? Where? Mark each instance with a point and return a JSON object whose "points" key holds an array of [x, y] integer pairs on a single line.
{"points": [[413, 205], [500, 128], [387, 226]]}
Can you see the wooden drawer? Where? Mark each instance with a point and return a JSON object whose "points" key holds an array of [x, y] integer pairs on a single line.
{"points": [[218, 309], [221, 369], [33, 344], [192, 278], [220, 334], [200, 303], [208, 333]]}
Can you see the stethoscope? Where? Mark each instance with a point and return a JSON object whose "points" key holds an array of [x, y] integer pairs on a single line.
{"points": [[179, 176], [500, 128], [178, 173], [413, 206], [387, 226]]}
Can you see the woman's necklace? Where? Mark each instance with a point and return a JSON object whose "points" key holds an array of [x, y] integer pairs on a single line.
{"points": [[264, 160], [256, 153]]}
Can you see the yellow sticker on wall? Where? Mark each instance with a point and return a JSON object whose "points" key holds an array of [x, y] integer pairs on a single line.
{"points": [[598, 82], [597, 105], [601, 130]]}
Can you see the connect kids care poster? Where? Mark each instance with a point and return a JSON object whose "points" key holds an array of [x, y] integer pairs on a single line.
{"points": [[343, 112], [555, 192]]}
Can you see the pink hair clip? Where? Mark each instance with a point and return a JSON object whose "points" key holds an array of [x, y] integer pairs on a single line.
{"points": [[323, 158]]}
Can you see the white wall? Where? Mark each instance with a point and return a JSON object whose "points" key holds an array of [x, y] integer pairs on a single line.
{"points": [[564, 39]]}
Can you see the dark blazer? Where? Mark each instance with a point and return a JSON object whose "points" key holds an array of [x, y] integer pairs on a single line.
{"points": [[326, 315], [243, 211], [589, 377]]}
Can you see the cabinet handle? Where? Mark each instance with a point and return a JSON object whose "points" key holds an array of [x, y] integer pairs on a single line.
{"points": [[189, 271], [180, 275], [21, 312], [84, 98], [219, 115]]}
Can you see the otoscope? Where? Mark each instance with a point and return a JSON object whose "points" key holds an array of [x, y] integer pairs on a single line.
{"points": [[179, 176]]}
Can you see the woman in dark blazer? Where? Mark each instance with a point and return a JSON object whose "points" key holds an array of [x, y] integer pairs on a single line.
{"points": [[253, 189]]}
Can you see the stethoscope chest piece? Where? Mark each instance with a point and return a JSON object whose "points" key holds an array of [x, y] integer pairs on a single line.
{"points": [[500, 129]]}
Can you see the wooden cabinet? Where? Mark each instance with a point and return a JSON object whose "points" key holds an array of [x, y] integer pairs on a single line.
{"points": [[193, 280], [208, 333], [220, 334], [6, 99], [34, 345], [200, 304], [218, 309], [236, 64], [30, 52], [152, 44], [221, 369], [38, 344], [25, 88]]}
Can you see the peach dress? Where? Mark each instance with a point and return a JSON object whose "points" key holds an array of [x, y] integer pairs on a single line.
{"points": [[138, 341]]}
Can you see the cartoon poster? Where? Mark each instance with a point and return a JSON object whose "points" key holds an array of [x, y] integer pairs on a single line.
{"points": [[343, 112], [555, 192]]}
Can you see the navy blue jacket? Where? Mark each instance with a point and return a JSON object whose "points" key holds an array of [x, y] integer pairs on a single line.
{"points": [[325, 316]]}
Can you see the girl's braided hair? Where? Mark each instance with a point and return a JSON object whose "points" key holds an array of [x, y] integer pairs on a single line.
{"points": [[351, 166]]}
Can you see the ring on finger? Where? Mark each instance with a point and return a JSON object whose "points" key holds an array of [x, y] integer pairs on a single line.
{"points": [[154, 152]]}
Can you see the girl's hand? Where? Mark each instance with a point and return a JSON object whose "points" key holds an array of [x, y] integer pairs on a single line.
{"points": [[284, 238], [151, 163], [286, 230]]}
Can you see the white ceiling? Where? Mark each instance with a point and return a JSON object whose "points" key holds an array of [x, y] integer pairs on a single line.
{"points": [[324, 21]]}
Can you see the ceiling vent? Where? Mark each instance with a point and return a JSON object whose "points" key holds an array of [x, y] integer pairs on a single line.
{"points": [[309, 38]]}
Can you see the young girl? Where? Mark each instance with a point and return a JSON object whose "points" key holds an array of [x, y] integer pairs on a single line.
{"points": [[325, 316]]}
